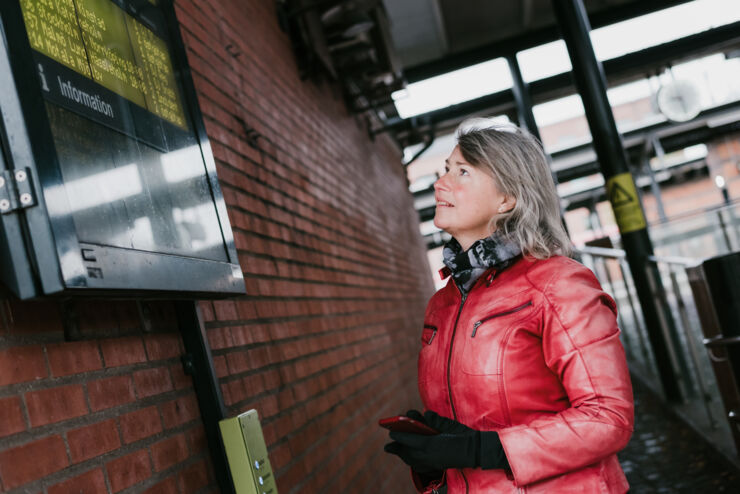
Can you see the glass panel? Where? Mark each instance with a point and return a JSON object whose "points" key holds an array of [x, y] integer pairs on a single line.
{"points": [[562, 123], [452, 88], [123, 193], [662, 26], [544, 61]]}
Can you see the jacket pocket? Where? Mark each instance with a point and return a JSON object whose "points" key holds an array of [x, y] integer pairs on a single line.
{"points": [[503, 313], [485, 341], [429, 353], [428, 334]]}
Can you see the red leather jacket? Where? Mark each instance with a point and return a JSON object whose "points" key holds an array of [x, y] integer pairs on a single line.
{"points": [[533, 352]]}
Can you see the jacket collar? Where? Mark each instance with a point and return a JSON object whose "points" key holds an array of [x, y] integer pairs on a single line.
{"points": [[490, 275]]}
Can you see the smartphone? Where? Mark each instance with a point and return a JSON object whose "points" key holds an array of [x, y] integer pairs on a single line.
{"points": [[402, 423]]}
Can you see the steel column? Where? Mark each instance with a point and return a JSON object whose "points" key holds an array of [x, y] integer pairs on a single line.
{"points": [[522, 98], [591, 83], [524, 106], [198, 363]]}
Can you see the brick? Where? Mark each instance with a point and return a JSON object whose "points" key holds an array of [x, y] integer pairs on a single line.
{"points": [[180, 380], [150, 382], [167, 486], [118, 315], [193, 477], [32, 461], [92, 482], [225, 310], [196, 439], [122, 351], [21, 364], [93, 440], [56, 404], [219, 365], [73, 358], [110, 392], [128, 470], [206, 308], [180, 411], [237, 362], [169, 452], [140, 424], [219, 338], [11, 416], [162, 346]]}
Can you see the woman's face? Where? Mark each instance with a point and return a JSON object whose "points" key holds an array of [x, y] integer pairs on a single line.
{"points": [[467, 199]]}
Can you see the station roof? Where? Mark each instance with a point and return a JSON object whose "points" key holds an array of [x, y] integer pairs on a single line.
{"points": [[436, 36]]}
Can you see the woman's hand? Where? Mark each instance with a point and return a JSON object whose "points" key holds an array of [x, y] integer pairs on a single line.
{"points": [[456, 446]]}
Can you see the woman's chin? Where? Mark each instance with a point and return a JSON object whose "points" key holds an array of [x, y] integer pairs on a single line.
{"points": [[440, 223]]}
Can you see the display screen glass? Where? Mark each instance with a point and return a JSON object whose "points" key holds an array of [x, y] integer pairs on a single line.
{"points": [[133, 171]]}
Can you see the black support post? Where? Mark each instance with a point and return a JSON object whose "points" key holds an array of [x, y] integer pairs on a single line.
{"points": [[198, 363], [591, 83], [524, 113], [522, 98]]}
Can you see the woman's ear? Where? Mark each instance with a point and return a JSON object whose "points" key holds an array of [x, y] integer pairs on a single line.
{"points": [[507, 205]]}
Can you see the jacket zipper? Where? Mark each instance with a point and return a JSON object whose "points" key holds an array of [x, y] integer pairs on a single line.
{"points": [[434, 333], [499, 314], [449, 361]]}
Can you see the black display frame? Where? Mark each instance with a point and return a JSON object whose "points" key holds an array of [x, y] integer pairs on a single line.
{"points": [[41, 253]]}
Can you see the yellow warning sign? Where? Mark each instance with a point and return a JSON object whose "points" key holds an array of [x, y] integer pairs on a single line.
{"points": [[621, 192]]}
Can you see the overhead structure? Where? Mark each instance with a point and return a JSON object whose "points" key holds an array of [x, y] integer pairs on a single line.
{"points": [[439, 37], [348, 41], [618, 70], [620, 186]]}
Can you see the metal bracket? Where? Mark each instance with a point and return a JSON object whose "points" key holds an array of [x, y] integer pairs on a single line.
{"points": [[16, 190], [188, 364]]}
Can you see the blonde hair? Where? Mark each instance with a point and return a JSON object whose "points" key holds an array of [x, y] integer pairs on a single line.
{"points": [[518, 165]]}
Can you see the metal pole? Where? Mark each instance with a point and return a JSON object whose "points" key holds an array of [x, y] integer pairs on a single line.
{"points": [[621, 191], [635, 318], [723, 227], [524, 106], [706, 396], [522, 98], [654, 141], [198, 362]]}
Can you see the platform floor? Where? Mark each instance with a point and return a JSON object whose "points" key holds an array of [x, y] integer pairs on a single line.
{"points": [[666, 456]]}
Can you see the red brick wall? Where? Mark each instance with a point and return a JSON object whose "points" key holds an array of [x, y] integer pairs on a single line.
{"points": [[322, 346], [107, 412]]}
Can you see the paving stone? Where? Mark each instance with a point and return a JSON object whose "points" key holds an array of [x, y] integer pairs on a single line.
{"points": [[666, 456]]}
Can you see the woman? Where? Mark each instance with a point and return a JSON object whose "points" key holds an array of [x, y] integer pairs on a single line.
{"points": [[521, 368]]}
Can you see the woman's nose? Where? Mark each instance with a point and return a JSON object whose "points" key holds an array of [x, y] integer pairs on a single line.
{"points": [[441, 183]]}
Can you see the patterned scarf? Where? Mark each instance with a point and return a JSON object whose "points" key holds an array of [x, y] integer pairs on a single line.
{"points": [[467, 266]]}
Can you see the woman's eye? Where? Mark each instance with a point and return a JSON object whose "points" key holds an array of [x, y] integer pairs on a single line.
{"points": [[463, 171]]}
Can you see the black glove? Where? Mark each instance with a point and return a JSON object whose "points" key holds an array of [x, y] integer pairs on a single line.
{"points": [[426, 472], [456, 446]]}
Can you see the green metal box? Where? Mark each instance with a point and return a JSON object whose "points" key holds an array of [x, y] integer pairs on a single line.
{"points": [[247, 454]]}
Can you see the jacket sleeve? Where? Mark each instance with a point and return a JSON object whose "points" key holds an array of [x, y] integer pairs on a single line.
{"points": [[580, 341], [427, 484]]}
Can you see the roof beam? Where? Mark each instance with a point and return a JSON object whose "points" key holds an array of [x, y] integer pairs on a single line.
{"points": [[617, 70], [526, 13], [530, 39]]}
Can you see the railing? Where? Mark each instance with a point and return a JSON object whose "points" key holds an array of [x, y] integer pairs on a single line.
{"points": [[702, 407], [610, 267], [700, 234], [698, 378]]}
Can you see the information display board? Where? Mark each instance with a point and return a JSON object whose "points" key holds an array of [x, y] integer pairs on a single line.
{"points": [[101, 110], [100, 41]]}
